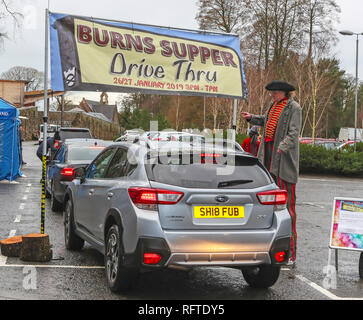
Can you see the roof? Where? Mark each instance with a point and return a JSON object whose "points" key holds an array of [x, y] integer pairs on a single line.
{"points": [[99, 116], [76, 110], [107, 110], [86, 142], [22, 81]]}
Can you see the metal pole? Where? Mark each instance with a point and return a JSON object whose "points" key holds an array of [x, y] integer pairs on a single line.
{"points": [[356, 95], [45, 127], [204, 112], [234, 119], [62, 111]]}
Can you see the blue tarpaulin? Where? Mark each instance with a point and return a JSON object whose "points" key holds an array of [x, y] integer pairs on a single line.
{"points": [[10, 150]]}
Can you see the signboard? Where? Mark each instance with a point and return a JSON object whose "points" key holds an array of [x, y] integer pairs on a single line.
{"points": [[347, 224], [89, 54]]}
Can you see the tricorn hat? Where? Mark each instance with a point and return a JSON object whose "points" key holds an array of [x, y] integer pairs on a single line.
{"points": [[279, 85]]}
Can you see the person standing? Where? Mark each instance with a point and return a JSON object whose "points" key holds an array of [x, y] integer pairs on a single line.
{"points": [[251, 144], [279, 149], [21, 143], [50, 145]]}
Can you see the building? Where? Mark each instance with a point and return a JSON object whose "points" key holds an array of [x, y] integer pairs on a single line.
{"points": [[100, 117], [13, 92], [100, 109]]}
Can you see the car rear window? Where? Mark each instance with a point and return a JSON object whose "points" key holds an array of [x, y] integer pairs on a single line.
{"points": [[74, 134], [49, 129], [83, 153], [242, 173]]}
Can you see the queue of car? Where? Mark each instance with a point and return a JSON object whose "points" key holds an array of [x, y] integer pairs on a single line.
{"points": [[171, 200], [329, 144]]}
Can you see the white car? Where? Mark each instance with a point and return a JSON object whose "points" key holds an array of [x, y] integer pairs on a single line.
{"points": [[180, 136], [129, 135], [51, 130]]}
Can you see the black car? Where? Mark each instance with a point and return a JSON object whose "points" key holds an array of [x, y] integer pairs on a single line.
{"points": [[74, 133], [66, 133], [71, 154]]}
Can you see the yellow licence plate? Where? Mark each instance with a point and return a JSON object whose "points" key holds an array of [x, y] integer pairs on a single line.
{"points": [[219, 212]]}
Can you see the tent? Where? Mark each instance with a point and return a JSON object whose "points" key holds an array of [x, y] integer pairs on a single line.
{"points": [[10, 147]]}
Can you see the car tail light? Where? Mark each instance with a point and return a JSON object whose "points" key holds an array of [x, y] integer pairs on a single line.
{"points": [[280, 256], [67, 174], [149, 198], [152, 258], [278, 198], [209, 157]]}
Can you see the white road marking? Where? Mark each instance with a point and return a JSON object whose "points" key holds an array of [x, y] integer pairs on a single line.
{"points": [[50, 266], [12, 233], [320, 289], [29, 184], [3, 260], [17, 218], [25, 197], [21, 207], [27, 190]]}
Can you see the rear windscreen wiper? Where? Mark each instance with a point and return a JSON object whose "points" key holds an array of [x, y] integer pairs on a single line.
{"points": [[223, 184]]}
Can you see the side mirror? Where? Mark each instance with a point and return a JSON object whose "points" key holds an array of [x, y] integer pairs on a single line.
{"points": [[80, 173]]}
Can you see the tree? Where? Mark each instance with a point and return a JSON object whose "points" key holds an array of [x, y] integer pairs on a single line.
{"points": [[7, 11], [221, 15], [34, 78], [320, 15]]}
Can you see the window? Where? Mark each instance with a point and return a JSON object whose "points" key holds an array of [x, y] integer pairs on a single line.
{"points": [[243, 172], [59, 154], [83, 152], [98, 167], [120, 166]]}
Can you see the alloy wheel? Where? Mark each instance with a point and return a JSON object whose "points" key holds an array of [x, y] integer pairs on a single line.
{"points": [[112, 257]]}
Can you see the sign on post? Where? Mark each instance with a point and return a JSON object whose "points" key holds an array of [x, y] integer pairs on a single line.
{"points": [[347, 224], [346, 229], [89, 54]]}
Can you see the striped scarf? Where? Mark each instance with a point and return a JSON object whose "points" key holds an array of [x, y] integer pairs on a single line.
{"points": [[273, 119]]}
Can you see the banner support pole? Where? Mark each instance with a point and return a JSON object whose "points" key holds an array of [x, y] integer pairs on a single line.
{"points": [[234, 126], [45, 120]]}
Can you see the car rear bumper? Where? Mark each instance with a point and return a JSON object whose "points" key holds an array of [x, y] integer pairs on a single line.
{"points": [[224, 248]]}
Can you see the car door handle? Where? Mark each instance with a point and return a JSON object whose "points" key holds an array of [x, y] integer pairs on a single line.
{"points": [[109, 195], [91, 192]]}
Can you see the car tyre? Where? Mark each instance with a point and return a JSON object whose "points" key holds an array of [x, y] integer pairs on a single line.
{"points": [[55, 205], [263, 276], [47, 193], [72, 241], [119, 277]]}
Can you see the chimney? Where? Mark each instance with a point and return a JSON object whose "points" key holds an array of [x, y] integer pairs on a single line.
{"points": [[104, 98]]}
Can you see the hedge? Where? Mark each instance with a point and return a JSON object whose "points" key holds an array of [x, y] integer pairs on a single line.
{"points": [[317, 159]]}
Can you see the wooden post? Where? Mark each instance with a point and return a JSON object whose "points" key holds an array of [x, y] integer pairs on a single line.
{"points": [[11, 247], [36, 247]]}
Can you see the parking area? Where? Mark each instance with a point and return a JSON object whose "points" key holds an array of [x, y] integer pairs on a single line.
{"points": [[80, 275]]}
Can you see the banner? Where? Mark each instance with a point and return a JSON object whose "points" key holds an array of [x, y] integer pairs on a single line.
{"points": [[347, 224], [99, 55]]}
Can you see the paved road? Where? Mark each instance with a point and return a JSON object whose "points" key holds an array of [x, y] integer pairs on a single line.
{"points": [[80, 275]]}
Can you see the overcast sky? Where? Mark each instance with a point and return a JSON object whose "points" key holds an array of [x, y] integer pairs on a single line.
{"points": [[27, 48]]}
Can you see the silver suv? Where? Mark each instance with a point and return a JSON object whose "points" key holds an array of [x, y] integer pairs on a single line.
{"points": [[148, 209]]}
